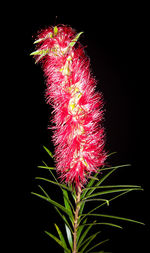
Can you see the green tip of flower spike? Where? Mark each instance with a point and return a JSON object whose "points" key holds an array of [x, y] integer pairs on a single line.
{"points": [[49, 35], [72, 43], [41, 53], [35, 52], [55, 30], [37, 41]]}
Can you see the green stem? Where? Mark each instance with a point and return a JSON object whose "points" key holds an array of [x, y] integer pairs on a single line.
{"points": [[76, 216]]}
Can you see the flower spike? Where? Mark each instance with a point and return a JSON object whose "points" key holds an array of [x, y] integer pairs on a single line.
{"points": [[78, 134]]}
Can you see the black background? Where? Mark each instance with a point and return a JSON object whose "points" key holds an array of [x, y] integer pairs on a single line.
{"points": [[115, 45]]}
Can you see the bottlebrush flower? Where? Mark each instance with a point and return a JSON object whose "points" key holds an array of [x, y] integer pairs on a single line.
{"points": [[78, 134]]}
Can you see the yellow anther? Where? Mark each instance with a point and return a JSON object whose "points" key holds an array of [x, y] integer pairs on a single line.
{"points": [[83, 161], [76, 90], [72, 106]]}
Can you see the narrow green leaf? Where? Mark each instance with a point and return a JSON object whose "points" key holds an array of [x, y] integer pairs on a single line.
{"points": [[52, 182], [46, 194], [108, 174], [114, 186], [69, 236], [115, 197], [58, 241], [89, 241], [46, 167], [79, 231], [82, 204], [104, 200], [102, 223], [113, 217], [62, 216], [108, 192], [54, 203], [48, 151], [84, 192], [68, 205], [89, 250], [94, 178], [92, 181], [40, 196], [51, 173], [65, 210], [85, 232], [64, 219], [90, 184], [61, 238], [67, 201], [112, 153], [87, 192], [116, 167]]}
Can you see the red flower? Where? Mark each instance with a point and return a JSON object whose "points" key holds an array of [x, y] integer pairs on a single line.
{"points": [[78, 135]]}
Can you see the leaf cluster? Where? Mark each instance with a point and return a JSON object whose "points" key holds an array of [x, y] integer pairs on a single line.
{"points": [[95, 191]]}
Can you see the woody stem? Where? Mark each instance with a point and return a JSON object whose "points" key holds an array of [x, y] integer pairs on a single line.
{"points": [[76, 216]]}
